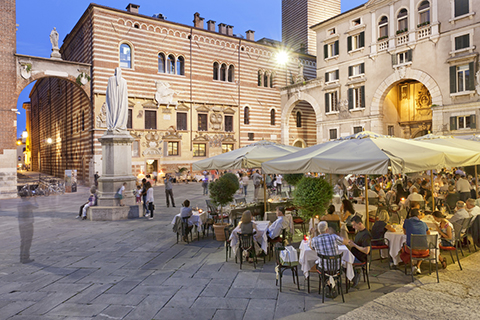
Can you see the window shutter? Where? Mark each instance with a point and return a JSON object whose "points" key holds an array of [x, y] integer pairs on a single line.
{"points": [[327, 108], [337, 74], [325, 51], [361, 39], [326, 77], [453, 79], [350, 71], [461, 7], [453, 123], [336, 48], [350, 99], [473, 121], [362, 96], [362, 68], [471, 77], [409, 55], [349, 43], [394, 59]]}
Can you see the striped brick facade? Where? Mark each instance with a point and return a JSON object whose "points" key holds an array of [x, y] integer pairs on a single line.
{"points": [[297, 18], [96, 39]]}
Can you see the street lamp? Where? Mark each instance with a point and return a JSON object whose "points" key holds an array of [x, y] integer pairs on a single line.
{"points": [[49, 140]]}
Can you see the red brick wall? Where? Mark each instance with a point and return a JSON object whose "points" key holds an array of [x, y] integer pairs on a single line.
{"points": [[7, 74]]}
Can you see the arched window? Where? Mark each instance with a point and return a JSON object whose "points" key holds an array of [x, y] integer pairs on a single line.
{"points": [[125, 56], [181, 66], [216, 70], [83, 120], [265, 79], [231, 73], [246, 115], [161, 63], [272, 117], [424, 13], [171, 64], [299, 119], [402, 20], [223, 72], [260, 77], [271, 79], [383, 27]]}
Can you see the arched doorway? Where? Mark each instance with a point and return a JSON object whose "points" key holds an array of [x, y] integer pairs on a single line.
{"points": [[407, 109], [302, 125]]}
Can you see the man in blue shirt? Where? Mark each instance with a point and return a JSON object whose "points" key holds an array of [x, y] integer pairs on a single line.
{"points": [[414, 225]]}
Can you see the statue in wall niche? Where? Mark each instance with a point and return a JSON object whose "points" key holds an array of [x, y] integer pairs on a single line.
{"points": [[117, 102], [54, 39], [102, 117], [164, 94], [300, 77]]}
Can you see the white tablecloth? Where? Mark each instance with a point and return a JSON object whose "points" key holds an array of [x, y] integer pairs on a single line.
{"points": [[197, 219], [396, 241], [308, 259], [260, 236]]}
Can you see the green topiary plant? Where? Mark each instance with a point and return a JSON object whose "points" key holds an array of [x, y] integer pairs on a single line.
{"points": [[222, 191], [293, 178], [233, 178], [312, 196]]}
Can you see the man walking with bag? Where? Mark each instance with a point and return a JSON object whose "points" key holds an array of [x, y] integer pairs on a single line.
{"points": [[168, 190]]}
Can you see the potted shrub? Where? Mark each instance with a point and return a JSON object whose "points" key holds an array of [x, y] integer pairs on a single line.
{"points": [[312, 196], [293, 178], [221, 192]]}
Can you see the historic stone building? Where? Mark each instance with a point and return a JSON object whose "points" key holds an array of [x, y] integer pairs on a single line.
{"points": [[402, 68], [194, 92]]}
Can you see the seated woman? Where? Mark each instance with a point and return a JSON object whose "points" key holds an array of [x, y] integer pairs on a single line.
{"points": [[334, 218], [380, 227], [186, 211], [347, 212], [445, 230], [247, 226]]}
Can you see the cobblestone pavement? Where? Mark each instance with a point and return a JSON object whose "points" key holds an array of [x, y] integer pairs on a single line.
{"points": [[135, 270]]}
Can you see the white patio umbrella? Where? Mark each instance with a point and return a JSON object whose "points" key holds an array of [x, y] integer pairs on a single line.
{"points": [[248, 157]]}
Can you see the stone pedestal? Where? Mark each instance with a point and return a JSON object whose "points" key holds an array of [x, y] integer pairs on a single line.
{"points": [[56, 54], [116, 169]]}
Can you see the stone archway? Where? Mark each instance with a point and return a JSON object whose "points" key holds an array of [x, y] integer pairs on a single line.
{"points": [[288, 108], [403, 74]]}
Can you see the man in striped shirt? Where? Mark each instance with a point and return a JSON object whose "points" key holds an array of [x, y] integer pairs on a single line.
{"points": [[326, 243]]}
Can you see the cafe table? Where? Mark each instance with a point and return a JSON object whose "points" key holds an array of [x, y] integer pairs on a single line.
{"points": [[260, 236], [396, 240], [308, 259], [197, 219]]}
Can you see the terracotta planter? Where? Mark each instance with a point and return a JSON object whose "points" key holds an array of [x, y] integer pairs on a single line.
{"points": [[219, 229]]}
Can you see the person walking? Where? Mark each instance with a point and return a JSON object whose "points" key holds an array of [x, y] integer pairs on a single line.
{"points": [[279, 183], [150, 200], [205, 184], [257, 183], [245, 181], [168, 190], [96, 177]]}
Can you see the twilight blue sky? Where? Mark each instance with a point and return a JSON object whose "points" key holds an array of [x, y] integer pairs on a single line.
{"points": [[36, 18]]}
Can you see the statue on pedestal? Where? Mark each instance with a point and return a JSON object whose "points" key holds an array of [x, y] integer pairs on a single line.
{"points": [[54, 41], [117, 103]]}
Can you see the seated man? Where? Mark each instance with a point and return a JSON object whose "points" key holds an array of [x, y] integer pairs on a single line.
{"points": [[413, 196], [460, 212], [472, 209], [275, 229], [360, 247], [380, 193], [451, 198], [326, 243], [414, 225]]}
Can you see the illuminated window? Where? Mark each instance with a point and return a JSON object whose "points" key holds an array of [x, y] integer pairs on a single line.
{"points": [[199, 149], [227, 147], [125, 56], [172, 147]]}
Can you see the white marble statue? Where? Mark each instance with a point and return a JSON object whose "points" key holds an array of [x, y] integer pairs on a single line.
{"points": [[477, 87], [54, 38], [164, 94], [117, 102]]}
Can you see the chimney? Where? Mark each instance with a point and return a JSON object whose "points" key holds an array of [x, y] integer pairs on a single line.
{"points": [[222, 28], [133, 8], [198, 21], [250, 35], [211, 25], [230, 30]]}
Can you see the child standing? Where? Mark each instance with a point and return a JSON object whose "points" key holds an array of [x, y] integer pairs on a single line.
{"points": [[138, 194]]}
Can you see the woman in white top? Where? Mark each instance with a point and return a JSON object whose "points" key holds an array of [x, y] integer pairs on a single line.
{"points": [[279, 183], [120, 194], [446, 232], [245, 181], [149, 201]]}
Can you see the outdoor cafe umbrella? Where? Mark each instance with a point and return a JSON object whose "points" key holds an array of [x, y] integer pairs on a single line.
{"points": [[248, 157], [451, 141], [371, 153]]}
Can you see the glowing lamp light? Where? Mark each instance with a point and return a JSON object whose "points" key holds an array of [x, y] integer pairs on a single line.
{"points": [[403, 199], [270, 200], [200, 210], [49, 140], [19, 142], [24, 134]]}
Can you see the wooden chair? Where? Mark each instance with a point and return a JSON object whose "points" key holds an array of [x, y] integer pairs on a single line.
{"points": [[378, 244], [330, 266], [246, 244], [457, 230], [228, 249], [186, 230], [281, 267], [364, 266], [424, 242], [273, 242]]}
